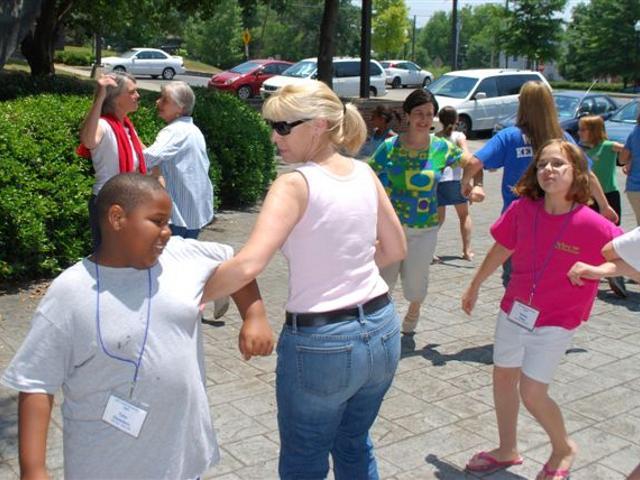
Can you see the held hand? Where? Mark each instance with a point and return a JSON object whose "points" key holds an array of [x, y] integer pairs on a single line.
{"points": [[581, 271], [256, 338], [477, 194], [609, 213], [469, 299], [626, 168]]}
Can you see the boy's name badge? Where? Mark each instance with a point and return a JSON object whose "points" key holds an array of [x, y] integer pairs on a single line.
{"points": [[124, 416], [523, 315]]}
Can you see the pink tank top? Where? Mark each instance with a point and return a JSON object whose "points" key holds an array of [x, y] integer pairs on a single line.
{"points": [[330, 251]]}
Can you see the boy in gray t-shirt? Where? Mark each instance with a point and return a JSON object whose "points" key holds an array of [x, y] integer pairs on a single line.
{"points": [[119, 332]]}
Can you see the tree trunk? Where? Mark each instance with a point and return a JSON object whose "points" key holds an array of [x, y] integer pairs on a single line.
{"points": [[37, 47], [327, 41], [16, 19]]}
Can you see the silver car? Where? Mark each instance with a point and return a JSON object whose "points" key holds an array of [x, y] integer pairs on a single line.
{"points": [[401, 73], [145, 61]]}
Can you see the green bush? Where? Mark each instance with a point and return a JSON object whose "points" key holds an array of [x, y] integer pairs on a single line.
{"points": [[44, 186], [73, 58], [239, 146], [598, 87], [20, 84]]}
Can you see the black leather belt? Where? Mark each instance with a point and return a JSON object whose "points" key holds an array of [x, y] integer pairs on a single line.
{"points": [[334, 316]]}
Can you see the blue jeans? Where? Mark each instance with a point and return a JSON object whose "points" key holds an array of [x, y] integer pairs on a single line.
{"points": [[184, 232], [330, 382]]}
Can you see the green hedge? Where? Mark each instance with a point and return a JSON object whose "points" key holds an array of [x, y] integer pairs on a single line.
{"points": [[73, 58], [44, 186], [598, 87]]}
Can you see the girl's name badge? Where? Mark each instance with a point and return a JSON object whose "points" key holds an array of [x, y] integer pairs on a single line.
{"points": [[523, 315], [124, 416]]}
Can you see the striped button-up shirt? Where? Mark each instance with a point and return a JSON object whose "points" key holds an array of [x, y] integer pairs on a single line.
{"points": [[181, 153]]}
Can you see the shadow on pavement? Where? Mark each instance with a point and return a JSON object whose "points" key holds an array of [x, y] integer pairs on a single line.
{"points": [[481, 354]]}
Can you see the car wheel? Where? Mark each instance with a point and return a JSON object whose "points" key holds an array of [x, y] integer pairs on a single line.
{"points": [[464, 125], [244, 92], [396, 82], [373, 92], [119, 69], [426, 82], [154, 76], [168, 73]]}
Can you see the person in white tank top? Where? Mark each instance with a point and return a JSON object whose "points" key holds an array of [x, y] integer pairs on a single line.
{"points": [[340, 345]]}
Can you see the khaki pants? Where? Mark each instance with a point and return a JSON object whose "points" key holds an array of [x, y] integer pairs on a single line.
{"points": [[414, 269], [634, 200]]}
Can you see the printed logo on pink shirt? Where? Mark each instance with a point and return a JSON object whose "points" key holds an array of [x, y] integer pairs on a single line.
{"points": [[565, 247]]}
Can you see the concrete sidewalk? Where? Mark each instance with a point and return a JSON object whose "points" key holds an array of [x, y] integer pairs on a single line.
{"points": [[440, 408]]}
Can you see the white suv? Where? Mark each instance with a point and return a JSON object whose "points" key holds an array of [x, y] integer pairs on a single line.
{"points": [[346, 77], [401, 73], [482, 96]]}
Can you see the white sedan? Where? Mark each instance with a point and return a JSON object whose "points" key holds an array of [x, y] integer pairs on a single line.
{"points": [[401, 73], [145, 61]]}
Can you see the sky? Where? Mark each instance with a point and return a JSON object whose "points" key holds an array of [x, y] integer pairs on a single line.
{"points": [[424, 9]]}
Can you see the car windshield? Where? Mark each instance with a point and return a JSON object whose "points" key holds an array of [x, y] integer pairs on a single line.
{"points": [[627, 114], [245, 67], [566, 106], [453, 86], [301, 69], [129, 53]]}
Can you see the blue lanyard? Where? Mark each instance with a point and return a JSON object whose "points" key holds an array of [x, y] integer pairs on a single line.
{"points": [[138, 362], [538, 275]]}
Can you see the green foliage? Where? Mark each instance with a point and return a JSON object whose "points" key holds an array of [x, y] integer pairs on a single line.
{"points": [[216, 39], [239, 146], [390, 27], [44, 186], [72, 58], [601, 41], [598, 87], [533, 29]]}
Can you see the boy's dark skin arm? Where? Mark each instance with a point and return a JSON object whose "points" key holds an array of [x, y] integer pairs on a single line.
{"points": [[256, 336], [34, 414]]}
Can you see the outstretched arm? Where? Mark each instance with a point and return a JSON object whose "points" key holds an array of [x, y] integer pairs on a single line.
{"points": [[34, 414], [281, 211], [496, 256], [472, 166]]}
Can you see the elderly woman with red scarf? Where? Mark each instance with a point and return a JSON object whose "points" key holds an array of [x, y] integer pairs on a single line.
{"points": [[108, 137]]}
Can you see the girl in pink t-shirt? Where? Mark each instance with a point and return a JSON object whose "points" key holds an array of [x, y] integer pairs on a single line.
{"points": [[544, 233]]}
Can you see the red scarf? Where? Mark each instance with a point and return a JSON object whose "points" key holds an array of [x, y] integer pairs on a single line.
{"points": [[125, 154]]}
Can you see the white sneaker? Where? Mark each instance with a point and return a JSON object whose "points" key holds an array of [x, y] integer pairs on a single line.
{"points": [[220, 307], [410, 321]]}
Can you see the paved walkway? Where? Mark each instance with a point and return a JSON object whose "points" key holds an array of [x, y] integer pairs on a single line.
{"points": [[439, 410]]}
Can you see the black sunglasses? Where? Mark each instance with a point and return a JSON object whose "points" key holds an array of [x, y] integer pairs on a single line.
{"points": [[284, 128]]}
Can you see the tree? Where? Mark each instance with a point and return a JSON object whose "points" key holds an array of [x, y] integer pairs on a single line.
{"points": [[596, 27], [435, 37], [216, 39], [16, 19], [327, 46], [534, 30], [390, 26]]}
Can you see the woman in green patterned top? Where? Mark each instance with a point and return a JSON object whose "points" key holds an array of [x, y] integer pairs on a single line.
{"points": [[409, 167]]}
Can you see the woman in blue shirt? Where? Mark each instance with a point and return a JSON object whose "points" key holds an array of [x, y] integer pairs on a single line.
{"points": [[630, 158]]}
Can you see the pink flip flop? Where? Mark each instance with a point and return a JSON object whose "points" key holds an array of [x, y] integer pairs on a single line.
{"points": [[491, 463], [563, 473]]}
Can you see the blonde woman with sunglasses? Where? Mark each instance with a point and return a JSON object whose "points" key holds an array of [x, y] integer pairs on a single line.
{"points": [[340, 344]]}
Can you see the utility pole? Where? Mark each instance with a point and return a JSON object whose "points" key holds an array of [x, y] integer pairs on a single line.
{"points": [[365, 48], [454, 36], [506, 55], [413, 40]]}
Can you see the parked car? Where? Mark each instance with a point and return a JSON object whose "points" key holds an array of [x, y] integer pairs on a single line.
{"points": [[145, 61], [482, 96], [401, 73], [246, 79], [346, 77], [571, 105], [622, 121]]}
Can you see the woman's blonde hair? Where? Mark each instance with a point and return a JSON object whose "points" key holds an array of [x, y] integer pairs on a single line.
{"points": [[313, 99], [537, 115], [580, 191], [594, 124]]}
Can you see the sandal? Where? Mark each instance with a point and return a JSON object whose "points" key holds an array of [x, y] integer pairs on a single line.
{"points": [[485, 462], [559, 474]]}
